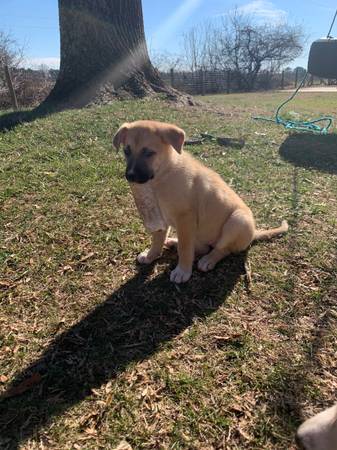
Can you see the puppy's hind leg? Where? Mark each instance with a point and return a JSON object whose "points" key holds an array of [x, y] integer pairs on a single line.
{"points": [[208, 262], [171, 242], [200, 249], [158, 239], [237, 234]]}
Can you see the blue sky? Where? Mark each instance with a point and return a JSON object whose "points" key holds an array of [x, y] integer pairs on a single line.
{"points": [[34, 23]]}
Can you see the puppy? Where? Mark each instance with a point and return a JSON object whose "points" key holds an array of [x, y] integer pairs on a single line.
{"points": [[319, 432], [209, 217]]}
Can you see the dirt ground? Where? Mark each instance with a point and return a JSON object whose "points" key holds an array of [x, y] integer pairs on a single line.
{"points": [[316, 89]]}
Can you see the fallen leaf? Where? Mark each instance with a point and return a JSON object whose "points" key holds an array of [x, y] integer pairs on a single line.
{"points": [[91, 431], [24, 386], [3, 378], [85, 258], [5, 284]]}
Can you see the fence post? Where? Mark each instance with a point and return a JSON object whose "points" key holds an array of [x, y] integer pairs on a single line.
{"points": [[282, 80], [228, 81], [11, 88], [202, 80], [172, 77], [296, 77]]}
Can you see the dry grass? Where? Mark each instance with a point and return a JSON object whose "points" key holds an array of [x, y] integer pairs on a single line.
{"points": [[107, 351]]}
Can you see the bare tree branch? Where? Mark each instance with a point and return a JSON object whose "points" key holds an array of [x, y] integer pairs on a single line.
{"points": [[239, 44], [11, 54]]}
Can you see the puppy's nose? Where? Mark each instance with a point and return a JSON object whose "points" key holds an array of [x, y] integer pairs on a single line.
{"points": [[130, 175]]}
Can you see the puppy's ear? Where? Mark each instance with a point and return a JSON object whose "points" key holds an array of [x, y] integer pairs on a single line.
{"points": [[174, 136], [120, 136]]}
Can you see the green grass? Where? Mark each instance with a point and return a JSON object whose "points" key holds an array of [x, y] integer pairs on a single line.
{"points": [[123, 353], [312, 103]]}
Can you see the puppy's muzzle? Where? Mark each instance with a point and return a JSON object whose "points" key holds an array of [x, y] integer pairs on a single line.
{"points": [[136, 177]]}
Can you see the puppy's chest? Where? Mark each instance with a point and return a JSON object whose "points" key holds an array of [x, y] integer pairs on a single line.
{"points": [[167, 213]]}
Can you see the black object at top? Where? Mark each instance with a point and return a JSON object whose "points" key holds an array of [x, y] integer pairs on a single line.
{"points": [[323, 56]]}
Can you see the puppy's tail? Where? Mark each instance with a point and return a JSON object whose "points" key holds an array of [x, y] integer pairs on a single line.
{"points": [[263, 235]]}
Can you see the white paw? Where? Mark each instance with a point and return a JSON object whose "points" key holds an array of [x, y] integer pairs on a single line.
{"points": [[178, 275], [206, 263], [146, 257], [319, 432]]}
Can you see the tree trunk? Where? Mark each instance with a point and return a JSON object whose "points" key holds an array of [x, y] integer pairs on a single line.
{"points": [[103, 54], [11, 88]]}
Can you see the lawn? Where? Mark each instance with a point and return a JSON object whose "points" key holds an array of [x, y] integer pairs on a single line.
{"points": [[95, 349]]}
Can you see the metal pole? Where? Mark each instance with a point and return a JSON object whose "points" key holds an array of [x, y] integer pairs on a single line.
{"points": [[228, 81], [333, 22], [296, 77], [172, 77]]}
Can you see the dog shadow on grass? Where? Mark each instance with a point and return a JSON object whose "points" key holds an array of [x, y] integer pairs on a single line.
{"points": [[311, 151], [10, 120], [129, 326]]}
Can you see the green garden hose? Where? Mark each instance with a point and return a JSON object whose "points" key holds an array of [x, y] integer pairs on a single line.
{"points": [[298, 125]]}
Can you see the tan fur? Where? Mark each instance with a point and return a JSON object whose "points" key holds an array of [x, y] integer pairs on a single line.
{"points": [[195, 200]]}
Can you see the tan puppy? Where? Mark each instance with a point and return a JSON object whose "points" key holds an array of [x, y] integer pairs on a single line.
{"points": [[209, 217]]}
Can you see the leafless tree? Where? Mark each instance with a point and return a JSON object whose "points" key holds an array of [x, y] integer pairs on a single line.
{"points": [[164, 61], [201, 47], [237, 43], [248, 48], [11, 53]]}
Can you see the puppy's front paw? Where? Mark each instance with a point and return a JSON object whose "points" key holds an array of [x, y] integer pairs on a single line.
{"points": [[178, 275], [171, 243], [206, 263], [147, 257]]}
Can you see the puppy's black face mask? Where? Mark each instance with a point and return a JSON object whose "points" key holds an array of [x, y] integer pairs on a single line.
{"points": [[138, 166]]}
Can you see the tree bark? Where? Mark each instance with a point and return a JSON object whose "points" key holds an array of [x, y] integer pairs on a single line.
{"points": [[103, 54]]}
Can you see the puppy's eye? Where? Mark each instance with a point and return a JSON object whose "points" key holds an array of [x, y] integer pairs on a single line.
{"points": [[148, 153], [127, 151]]}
